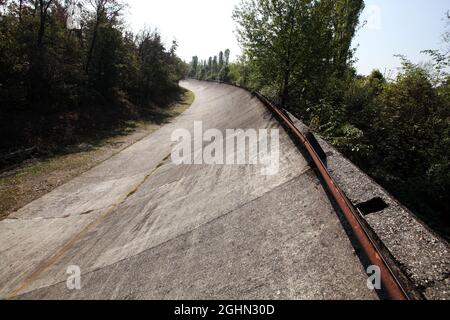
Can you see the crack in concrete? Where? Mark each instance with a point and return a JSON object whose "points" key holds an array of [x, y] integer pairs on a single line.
{"points": [[58, 218], [59, 253], [307, 169]]}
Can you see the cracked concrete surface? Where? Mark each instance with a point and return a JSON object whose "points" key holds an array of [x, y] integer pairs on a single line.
{"points": [[141, 227]]}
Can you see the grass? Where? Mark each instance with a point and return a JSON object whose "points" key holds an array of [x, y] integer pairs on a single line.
{"points": [[36, 177]]}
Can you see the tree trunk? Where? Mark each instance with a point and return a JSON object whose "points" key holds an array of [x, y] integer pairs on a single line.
{"points": [[91, 48], [20, 10], [41, 31], [43, 8], [285, 91]]}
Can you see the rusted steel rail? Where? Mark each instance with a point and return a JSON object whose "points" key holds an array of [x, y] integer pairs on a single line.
{"points": [[390, 282]]}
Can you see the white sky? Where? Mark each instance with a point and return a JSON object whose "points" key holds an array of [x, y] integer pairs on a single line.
{"points": [[205, 27], [201, 27]]}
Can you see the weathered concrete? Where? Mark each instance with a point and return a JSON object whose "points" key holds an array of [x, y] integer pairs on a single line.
{"points": [[141, 227], [423, 256]]}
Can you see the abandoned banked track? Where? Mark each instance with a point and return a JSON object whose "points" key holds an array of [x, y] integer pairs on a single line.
{"points": [[120, 242], [395, 285]]}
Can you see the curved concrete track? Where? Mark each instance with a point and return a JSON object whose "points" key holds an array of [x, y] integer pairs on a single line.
{"points": [[140, 227]]}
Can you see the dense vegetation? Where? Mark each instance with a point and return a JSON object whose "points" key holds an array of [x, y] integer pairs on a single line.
{"points": [[299, 53], [61, 77], [211, 69]]}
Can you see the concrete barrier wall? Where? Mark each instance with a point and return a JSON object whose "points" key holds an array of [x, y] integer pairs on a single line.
{"points": [[422, 255]]}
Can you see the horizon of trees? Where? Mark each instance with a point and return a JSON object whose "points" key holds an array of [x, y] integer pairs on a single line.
{"points": [[214, 68]]}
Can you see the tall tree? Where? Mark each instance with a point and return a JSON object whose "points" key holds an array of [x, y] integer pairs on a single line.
{"points": [[294, 43], [43, 7], [194, 67], [345, 19], [271, 33], [227, 57], [209, 67], [104, 10], [221, 62], [215, 67]]}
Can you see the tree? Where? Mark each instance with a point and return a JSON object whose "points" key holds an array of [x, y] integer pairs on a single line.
{"points": [[227, 57], [209, 68], [215, 68], [221, 62], [54, 88], [43, 6], [194, 67], [104, 10], [345, 19], [203, 71], [271, 33], [159, 70], [224, 70], [296, 46]]}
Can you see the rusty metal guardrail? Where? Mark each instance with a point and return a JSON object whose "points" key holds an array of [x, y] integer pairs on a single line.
{"points": [[390, 281]]}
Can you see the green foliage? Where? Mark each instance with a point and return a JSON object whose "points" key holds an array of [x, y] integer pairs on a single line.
{"points": [[398, 132], [216, 68], [298, 53], [298, 46], [193, 68], [55, 81]]}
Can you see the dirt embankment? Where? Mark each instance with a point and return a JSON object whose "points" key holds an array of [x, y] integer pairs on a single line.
{"points": [[36, 177]]}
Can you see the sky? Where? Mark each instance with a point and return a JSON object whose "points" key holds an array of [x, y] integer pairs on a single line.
{"points": [[404, 27], [205, 27], [202, 28]]}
